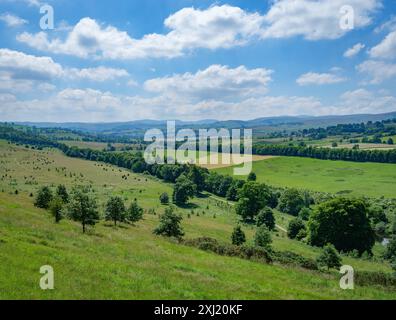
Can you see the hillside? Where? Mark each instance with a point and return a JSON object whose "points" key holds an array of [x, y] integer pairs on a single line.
{"points": [[129, 262]]}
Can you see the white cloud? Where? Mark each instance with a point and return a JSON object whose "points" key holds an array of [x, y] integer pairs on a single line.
{"points": [[315, 20], [386, 49], [351, 52], [312, 78], [23, 72], [378, 71], [12, 20], [215, 82], [389, 25], [362, 100], [99, 74], [214, 28]]}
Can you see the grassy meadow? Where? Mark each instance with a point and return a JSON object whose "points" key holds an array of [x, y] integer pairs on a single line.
{"points": [[341, 177], [129, 262]]}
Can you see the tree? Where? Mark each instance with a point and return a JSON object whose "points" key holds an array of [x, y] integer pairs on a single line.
{"points": [[135, 212], [266, 218], [198, 175], [304, 214], [334, 144], [252, 177], [390, 141], [61, 192], [183, 190], [164, 198], [115, 210], [344, 223], [170, 224], [83, 208], [329, 257], [232, 192], [390, 253], [44, 197], [263, 237], [295, 227], [238, 237], [291, 202], [56, 207], [252, 198]]}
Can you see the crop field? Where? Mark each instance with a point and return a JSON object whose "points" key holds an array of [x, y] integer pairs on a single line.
{"points": [[129, 262], [341, 177]]}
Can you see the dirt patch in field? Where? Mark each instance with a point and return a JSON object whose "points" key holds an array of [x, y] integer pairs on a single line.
{"points": [[234, 161]]}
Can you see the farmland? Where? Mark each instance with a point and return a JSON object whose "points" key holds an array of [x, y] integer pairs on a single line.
{"points": [[129, 262], [342, 177]]}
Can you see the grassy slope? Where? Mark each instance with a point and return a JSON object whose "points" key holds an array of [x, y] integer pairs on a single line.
{"points": [[130, 262], [360, 179]]}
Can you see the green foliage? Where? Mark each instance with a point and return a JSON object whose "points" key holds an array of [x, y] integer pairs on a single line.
{"points": [[61, 192], [170, 224], [43, 198], [164, 198], [83, 208], [296, 225], [291, 202], [197, 175], [135, 212], [304, 214], [266, 217], [263, 238], [115, 210], [329, 257], [238, 237], [252, 177], [390, 253], [56, 207], [183, 190], [253, 197], [377, 214], [344, 223]]}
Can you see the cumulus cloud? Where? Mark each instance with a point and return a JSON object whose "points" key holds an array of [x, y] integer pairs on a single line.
{"points": [[351, 52], [315, 20], [23, 72], [386, 49], [312, 78], [215, 82], [214, 28], [367, 101], [12, 20], [377, 71]]}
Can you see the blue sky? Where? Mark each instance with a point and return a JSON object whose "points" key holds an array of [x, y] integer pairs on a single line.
{"points": [[174, 59]]}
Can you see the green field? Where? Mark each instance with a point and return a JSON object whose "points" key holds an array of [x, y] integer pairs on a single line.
{"points": [[358, 179], [129, 262]]}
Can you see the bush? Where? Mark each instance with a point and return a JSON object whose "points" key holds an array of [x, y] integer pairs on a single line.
{"points": [[44, 197], [266, 218], [164, 198], [244, 252], [370, 278], [291, 258], [329, 257], [238, 236], [170, 224], [134, 212], [295, 227], [263, 238]]}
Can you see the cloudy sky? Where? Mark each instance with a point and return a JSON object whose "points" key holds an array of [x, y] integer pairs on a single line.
{"points": [[183, 59]]}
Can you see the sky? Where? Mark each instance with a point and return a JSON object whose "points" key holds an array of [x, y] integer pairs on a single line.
{"points": [[107, 61]]}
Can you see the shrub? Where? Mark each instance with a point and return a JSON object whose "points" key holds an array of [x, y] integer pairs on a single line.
{"points": [[164, 198], [263, 238], [266, 218], [43, 198], [291, 258], [134, 212], [295, 227], [170, 224], [329, 257], [238, 236], [291, 202]]}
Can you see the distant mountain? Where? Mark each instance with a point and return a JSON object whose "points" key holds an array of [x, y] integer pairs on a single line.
{"points": [[260, 124]]}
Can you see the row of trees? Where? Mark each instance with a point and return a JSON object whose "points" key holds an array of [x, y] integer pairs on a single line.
{"points": [[82, 206], [382, 156]]}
